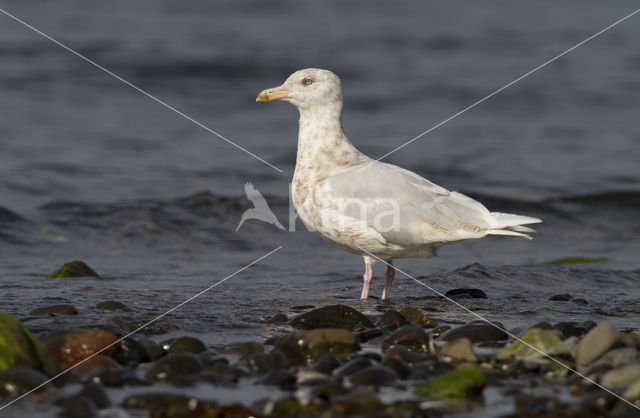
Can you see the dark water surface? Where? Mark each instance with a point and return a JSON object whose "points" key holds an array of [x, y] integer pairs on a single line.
{"points": [[91, 169]]}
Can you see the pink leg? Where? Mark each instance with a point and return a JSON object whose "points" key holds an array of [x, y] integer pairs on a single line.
{"points": [[368, 275], [389, 277]]}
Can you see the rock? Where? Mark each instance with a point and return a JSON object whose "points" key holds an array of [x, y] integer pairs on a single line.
{"points": [[260, 363], [374, 376], [71, 347], [305, 347], [437, 331], [564, 297], [629, 339], [174, 366], [632, 394], [617, 357], [455, 384], [277, 319], [411, 336], [547, 341], [19, 347], [570, 330], [131, 352], [242, 348], [391, 320], [97, 362], [465, 293], [333, 316], [353, 366], [477, 331], [112, 305], [362, 402], [55, 310], [459, 349], [277, 377], [368, 334], [621, 377], [595, 343], [19, 380], [403, 353], [73, 269], [289, 407], [325, 364], [117, 378], [127, 324], [187, 345], [580, 301], [92, 392], [153, 349], [78, 408], [398, 366], [416, 317]]}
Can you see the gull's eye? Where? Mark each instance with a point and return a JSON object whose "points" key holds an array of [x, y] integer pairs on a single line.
{"points": [[307, 81]]}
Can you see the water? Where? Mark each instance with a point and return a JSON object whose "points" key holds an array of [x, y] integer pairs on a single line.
{"points": [[91, 169]]}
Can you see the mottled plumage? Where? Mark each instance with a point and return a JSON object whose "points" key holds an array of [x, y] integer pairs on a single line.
{"points": [[338, 192]]}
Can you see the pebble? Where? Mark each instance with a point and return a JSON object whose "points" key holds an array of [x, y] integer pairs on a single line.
{"points": [[569, 329], [476, 331], [374, 376], [597, 341], [333, 316], [71, 347], [55, 310], [325, 364], [174, 366], [277, 377], [97, 362], [459, 383], [564, 297], [398, 365], [403, 353], [416, 317], [187, 345], [466, 293], [391, 320], [548, 341], [154, 400], [132, 352], [242, 348], [411, 336], [19, 380], [305, 347], [19, 347], [460, 350], [621, 377], [112, 305], [617, 357], [353, 366], [260, 363], [277, 319]]}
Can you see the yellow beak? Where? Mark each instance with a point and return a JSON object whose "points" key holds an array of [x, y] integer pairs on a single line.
{"points": [[274, 93]]}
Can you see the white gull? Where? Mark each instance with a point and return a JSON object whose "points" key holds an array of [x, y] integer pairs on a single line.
{"points": [[379, 210]]}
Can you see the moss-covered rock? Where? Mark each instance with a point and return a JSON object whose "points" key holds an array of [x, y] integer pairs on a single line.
{"points": [[546, 341], [73, 269], [416, 317], [19, 347], [455, 384]]}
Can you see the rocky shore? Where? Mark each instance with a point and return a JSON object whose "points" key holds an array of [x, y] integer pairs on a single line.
{"points": [[322, 361]]}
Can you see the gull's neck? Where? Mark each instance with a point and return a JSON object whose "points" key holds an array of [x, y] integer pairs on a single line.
{"points": [[323, 148]]}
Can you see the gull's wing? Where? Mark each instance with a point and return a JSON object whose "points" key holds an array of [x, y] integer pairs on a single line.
{"points": [[405, 208]]}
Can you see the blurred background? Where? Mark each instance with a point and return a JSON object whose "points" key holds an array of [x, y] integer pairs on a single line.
{"points": [[91, 169]]}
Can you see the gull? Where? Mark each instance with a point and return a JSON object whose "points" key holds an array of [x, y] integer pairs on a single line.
{"points": [[373, 209], [260, 210]]}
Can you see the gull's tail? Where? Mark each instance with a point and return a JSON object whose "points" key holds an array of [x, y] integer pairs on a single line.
{"points": [[508, 224]]}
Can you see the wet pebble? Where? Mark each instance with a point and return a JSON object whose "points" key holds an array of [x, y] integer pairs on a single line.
{"points": [[403, 353], [174, 366], [466, 293], [352, 366], [305, 347], [564, 297], [476, 331], [55, 310], [19, 380], [391, 320], [569, 329], [460, 350], [97, 362], [242, 348], [439, 330], [548, 341], [325, 364], [459, 383], [597, 341], [621, 377], [85, 402], [374, 376], [132, 352], [70, 347], [368, 334], [333, 316], [416, 317], [277, 319], [19, 347], [187, 345], [277, 377], [156, 400], [411, 336], [398, 365], [112, 305], [260, 363]]}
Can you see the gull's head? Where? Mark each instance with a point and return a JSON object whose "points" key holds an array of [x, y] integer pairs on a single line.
{"points": [[308, 88]]}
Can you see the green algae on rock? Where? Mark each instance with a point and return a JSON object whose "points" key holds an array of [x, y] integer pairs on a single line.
{"points": [[18, 346], [547, 341], [459, 383], [416, 317], [73, 269]]}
